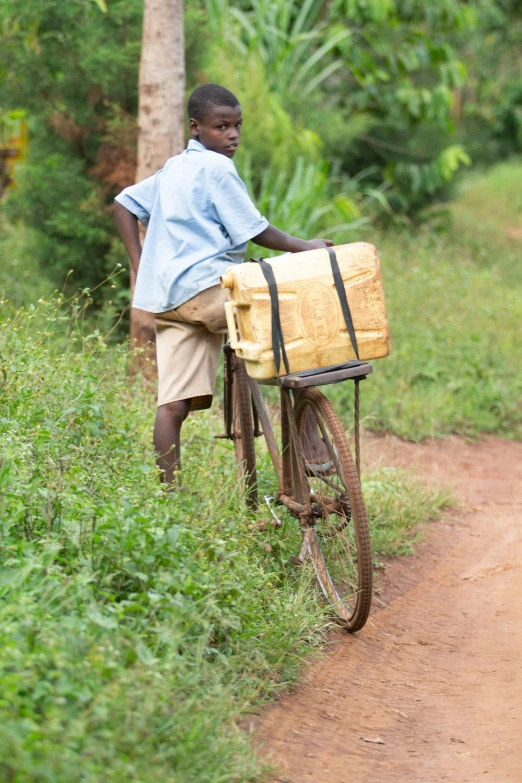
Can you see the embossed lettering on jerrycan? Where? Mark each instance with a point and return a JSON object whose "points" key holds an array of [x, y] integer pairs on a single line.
{"points": [[313, 326]]}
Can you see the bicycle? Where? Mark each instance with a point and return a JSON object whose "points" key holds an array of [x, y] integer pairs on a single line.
{"points": [[325, 496]]}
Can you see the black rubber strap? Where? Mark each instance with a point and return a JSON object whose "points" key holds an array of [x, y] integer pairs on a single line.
{"points": [[278, 343], [341, 293]]}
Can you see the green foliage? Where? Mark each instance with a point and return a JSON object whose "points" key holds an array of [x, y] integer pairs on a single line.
{"points": [[65, 212], [21, 280], [385, 67], [488, 212], [136, 626], [399, 507], [349, 86], [70, 63], [74, 70], [490, 106], [413, 181], [303, 203], [455, 311], [401, 69], [120, 599], [292, 43]]}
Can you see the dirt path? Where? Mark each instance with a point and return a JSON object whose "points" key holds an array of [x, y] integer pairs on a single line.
{"points": [[435, 674]]}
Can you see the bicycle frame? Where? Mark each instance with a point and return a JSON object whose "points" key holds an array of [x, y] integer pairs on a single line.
{"points": [[325, 498], [280, 461]]}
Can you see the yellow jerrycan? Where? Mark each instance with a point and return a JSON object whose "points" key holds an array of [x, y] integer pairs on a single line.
{"points": [[312, 322]]}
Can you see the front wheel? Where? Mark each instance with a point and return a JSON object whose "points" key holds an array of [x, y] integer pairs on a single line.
{"points": [[324, 476]]}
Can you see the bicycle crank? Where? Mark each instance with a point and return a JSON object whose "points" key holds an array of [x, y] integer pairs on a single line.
{"points": [[305, 548]]}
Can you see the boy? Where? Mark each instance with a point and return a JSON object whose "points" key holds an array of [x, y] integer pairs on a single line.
{"points": [[200, 219]]}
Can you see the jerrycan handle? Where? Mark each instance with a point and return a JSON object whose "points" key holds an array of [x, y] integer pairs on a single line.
{"points": [[231, 325]]}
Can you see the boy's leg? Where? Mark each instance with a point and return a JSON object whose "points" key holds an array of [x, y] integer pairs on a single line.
{"points": [[188, 346], [167, 433]]}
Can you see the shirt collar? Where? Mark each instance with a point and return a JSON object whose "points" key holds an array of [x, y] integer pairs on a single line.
{"points": [[194, 144]]}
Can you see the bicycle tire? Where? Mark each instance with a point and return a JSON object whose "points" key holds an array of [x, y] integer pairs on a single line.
{"points": [[339, 543], [243, 428]]}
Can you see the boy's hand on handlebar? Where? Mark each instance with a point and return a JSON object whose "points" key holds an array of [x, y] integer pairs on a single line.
{"points": [[316, 244]]}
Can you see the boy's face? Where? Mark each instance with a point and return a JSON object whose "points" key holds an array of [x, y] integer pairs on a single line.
{"points": [[219, 130]]}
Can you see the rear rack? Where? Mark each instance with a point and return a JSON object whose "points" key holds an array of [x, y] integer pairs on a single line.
{"points": [[325, 375]]}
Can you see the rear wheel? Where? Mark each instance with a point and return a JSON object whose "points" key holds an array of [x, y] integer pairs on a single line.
{"points": [[324, 475], [243, 430]]}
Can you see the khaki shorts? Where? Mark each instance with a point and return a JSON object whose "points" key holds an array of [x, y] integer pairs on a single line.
{"points": [[188, 346]]}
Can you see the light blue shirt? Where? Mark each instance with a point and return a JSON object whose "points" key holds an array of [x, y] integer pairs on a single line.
{"points": [[199, 219]]}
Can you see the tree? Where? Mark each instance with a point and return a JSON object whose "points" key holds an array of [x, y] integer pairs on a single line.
{"points": [[161, 110]]}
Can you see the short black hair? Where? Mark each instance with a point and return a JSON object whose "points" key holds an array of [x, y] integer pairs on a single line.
{"points": [[204, 98]]}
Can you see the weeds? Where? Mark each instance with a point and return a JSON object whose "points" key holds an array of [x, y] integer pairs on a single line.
{"points": [[136, 626], [397, 506]]}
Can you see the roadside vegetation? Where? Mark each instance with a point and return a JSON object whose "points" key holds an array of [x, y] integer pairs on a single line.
{"points": [[137, 626], [455, 312]]}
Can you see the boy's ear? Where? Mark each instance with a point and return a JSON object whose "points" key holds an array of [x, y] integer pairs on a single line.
{"points": [[194, 126]]}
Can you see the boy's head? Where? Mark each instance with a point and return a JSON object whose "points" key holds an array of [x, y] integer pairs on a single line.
{"points": [[215, 118]]}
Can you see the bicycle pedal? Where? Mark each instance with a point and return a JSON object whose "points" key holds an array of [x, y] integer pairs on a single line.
{"points": [[293, 560]]}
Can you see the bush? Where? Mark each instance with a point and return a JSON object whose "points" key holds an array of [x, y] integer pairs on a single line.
{"points": [[72, 231]]}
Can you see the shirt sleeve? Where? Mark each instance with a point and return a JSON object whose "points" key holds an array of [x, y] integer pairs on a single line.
{"points": [[139, 198], [235, 210]]}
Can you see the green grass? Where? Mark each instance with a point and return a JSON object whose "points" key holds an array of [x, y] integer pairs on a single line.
{"points": [[136, 627], [488, 212], [398, 505], [455, 311]]}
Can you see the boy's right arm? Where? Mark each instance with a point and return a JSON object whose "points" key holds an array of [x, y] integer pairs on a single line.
{"points": [[274, 239], [127, 224]]}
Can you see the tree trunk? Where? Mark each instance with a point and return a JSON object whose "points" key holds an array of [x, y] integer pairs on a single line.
{"points": [[161, 120]]}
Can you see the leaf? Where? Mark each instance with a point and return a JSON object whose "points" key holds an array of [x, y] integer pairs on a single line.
{"points": [[102, 620], [102, 5]]}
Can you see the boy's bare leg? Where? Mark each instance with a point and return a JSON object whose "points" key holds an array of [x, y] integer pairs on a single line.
{"points": [[167, 432]]}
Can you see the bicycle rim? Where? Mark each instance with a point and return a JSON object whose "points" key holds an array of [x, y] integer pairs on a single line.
{"points": [[339, 543], [243, 427]]}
